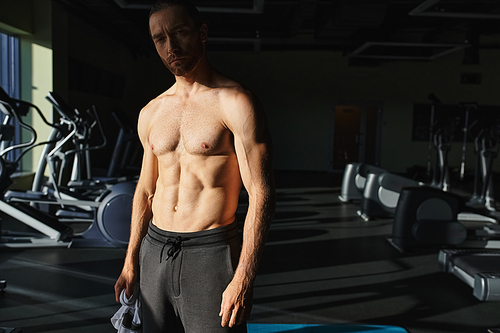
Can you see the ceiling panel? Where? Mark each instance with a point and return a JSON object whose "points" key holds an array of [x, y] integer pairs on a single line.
{"points": [[377, 26]]}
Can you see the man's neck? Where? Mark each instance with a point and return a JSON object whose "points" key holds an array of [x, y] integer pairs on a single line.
{"points": [[201, 76]]}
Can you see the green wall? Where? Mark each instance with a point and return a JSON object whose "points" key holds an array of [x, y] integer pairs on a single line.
{"points": [[31, 21]]}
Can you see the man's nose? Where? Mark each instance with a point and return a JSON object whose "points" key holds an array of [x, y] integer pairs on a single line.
{"points": [[172, 46]]}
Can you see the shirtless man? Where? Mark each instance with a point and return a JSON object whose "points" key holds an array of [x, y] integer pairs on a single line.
{"points": [[203, 139]]}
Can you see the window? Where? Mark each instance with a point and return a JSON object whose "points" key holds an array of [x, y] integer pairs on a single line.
{"points": [[9, 76]]}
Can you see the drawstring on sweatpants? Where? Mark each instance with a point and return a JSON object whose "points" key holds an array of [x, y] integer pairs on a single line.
{"points": [[175, 247]]}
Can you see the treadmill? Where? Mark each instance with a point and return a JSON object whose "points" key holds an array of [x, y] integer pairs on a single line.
{"points": [[479, 268]]}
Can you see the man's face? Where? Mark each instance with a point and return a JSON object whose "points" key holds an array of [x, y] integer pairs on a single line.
{"points": [[177, 39]]}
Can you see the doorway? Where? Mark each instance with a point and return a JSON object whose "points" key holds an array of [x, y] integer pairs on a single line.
{"points": [[356, 134]]}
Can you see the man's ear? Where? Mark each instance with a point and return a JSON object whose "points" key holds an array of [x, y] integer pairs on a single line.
{"points": [[204, 32]]}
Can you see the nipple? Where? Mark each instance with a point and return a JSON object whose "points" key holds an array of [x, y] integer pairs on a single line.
{"points": [[205, 145], [176, 208]]}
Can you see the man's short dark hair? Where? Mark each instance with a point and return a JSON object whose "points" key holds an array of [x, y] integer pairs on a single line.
{"points": [[188, 5]]}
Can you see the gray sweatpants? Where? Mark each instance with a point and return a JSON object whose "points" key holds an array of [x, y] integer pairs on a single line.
{"points": [[183, 276]]}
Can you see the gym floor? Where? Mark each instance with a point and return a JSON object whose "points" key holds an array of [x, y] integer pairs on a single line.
{"points": [[322, 264]]}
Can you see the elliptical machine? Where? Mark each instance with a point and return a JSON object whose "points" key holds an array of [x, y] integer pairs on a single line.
{"points": [[486, 150], [111, 210], [127, 151], [54, 233], [443, 138]]}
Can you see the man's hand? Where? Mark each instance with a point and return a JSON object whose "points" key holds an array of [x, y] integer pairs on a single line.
{"points": [[236, 304], [127, 281]]}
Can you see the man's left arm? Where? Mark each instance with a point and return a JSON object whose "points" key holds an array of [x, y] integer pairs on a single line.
{"points": [[253, 150]]}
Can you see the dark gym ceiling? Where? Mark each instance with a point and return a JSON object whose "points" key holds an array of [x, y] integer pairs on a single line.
{"points": [[364, 30]]}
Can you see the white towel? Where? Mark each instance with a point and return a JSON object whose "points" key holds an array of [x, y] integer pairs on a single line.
{"points": [[128, 318]]}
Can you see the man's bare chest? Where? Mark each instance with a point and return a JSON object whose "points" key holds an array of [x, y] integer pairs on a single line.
{"points": [[194, 131]]}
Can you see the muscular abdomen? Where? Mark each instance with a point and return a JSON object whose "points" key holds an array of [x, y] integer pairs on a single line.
{"points": [[195, 192]]}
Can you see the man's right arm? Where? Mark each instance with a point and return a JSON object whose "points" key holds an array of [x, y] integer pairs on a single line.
{"points": [[141, 211]]}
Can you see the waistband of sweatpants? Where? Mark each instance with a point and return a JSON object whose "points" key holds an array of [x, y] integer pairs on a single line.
{"points": [[196, 238]]}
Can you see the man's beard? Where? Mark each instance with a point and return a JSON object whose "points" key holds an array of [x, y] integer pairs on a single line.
{"points": [[186, 64]]}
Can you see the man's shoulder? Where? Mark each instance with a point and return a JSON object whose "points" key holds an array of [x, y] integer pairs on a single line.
{"points": [[233, 92], [238, 102]]}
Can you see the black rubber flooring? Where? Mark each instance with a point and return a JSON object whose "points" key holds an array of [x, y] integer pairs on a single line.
{"points": [[322, 264]]}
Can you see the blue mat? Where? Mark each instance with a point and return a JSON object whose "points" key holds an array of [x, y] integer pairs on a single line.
{"points": [[331, 328]]}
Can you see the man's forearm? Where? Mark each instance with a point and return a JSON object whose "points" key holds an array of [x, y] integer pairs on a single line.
{"points": [[256, 227], [141, 215], [237, 298]]}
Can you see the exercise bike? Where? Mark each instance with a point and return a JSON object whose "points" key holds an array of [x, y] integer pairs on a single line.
{"points": [[112, 209], [381, 195], [428, 218], [354, 180]]}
